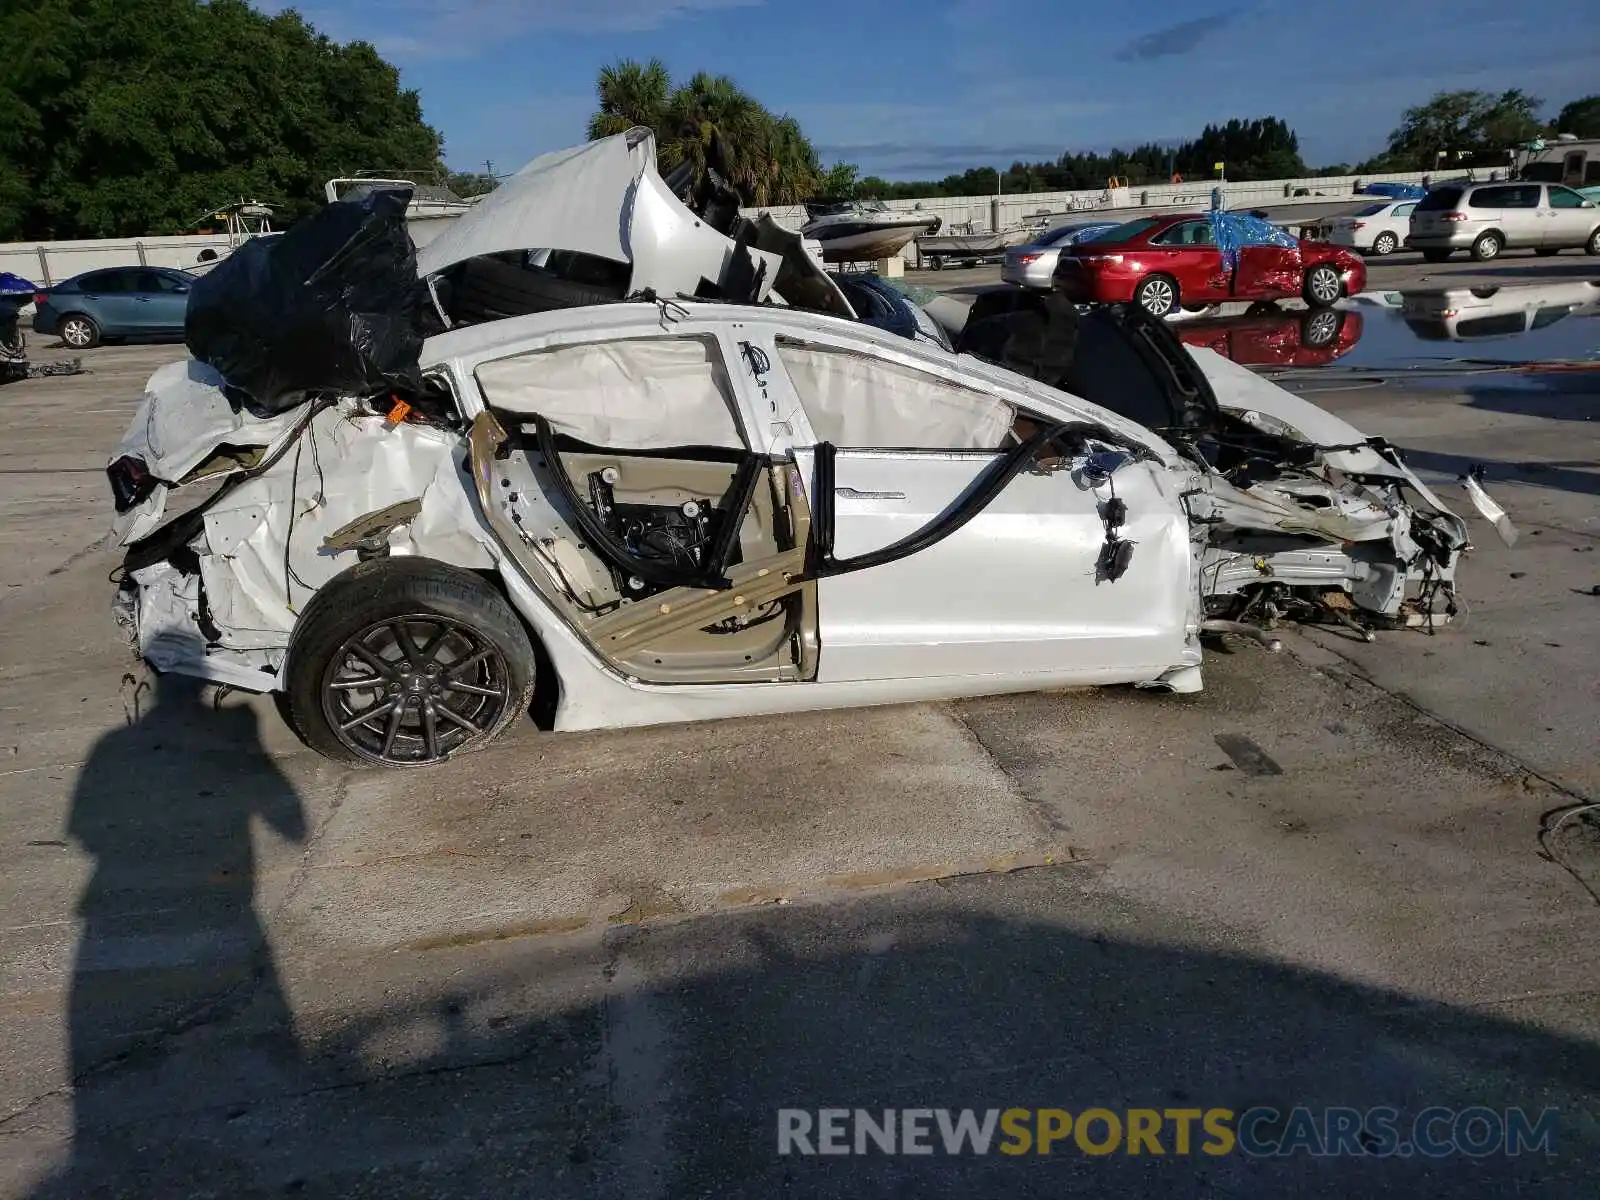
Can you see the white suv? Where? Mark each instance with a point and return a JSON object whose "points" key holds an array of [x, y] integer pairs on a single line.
{"points": [[1491, 217]]}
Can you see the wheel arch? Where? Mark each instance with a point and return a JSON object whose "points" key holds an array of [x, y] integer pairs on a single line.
{"points": [[547, 686]]}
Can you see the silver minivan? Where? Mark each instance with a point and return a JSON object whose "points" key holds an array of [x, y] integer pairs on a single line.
{"points": [[1487, 218]]}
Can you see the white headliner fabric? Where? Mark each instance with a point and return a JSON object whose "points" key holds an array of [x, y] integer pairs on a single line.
{"points": [[573, 199], [860, 402], [639, 394]]}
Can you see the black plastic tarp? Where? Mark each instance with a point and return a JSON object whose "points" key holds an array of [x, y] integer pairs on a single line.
{"points": [[330, 306]]}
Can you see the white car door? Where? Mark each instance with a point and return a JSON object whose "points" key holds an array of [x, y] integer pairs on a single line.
{"points": [[1398, 220], [1034, 579]]}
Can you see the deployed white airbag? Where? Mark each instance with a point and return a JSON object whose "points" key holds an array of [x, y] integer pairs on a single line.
{"points": [[637, 394], [852, 400]]}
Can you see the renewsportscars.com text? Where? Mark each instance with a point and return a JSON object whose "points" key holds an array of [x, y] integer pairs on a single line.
{"points": [[1379, 1132]]}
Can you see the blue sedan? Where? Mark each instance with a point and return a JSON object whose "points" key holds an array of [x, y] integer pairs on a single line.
{"points": [[120, 302]]}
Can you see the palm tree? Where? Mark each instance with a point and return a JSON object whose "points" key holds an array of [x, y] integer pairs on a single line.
{"points": [[796, 170], [710, 118], [631, 94]]}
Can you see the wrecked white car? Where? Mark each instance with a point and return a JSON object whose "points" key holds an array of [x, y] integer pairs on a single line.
{"points": [[669, 509]]}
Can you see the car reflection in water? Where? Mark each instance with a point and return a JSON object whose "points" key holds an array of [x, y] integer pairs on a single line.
{"points": [[1269, 336], [1466, 314]]}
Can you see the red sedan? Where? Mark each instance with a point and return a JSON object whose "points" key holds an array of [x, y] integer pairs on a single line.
{"points": [[1195, 259]]}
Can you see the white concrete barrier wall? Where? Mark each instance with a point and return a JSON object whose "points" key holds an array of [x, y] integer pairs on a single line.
{"points": [[981, 210], [52, 262]]}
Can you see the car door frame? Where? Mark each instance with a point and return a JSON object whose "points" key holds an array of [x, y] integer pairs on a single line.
{"points": [[873, 655], [1401, 221], [143, 301], [1523, 227], [163, 301], [1170, 260], [113, 309], [1563, 231]]}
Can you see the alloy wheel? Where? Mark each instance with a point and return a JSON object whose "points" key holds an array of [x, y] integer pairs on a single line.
{"points": [[76, 332], [1156, 297], [1324, 284], [411, 690]]}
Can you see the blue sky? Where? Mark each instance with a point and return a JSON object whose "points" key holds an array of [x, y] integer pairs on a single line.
{"points": [[919, 88]]}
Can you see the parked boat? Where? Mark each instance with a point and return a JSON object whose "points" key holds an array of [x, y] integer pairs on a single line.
{"points": [[428, 215], [862, 230], [959, 246]]}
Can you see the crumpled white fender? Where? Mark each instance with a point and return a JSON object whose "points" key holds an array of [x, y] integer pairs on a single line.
{"points": [[262, 556], [185, 416], [182, 420]]}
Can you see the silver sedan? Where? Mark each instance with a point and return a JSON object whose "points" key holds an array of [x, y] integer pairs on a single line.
{"points": [[1033, 265]]}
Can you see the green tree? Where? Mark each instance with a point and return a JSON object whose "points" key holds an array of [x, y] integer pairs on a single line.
{"points": [[838, 181], [139, 116], [1264, 148], [467, 183], [1580, 118], [768, 158], [1456, 126]]}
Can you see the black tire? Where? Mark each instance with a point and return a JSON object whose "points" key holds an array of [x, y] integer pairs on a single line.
{"points": [[1321, 287], [463, 616], [1592, 246], [1547, 251], [1488, 246], [1320, 327], [78, 332], [1157, 295], [1436, 255], [1385, 244], [491, 289], [936, 263]]}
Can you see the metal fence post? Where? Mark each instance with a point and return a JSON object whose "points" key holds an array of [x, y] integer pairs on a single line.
{"points": [[139, 246], [44, 266]]}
